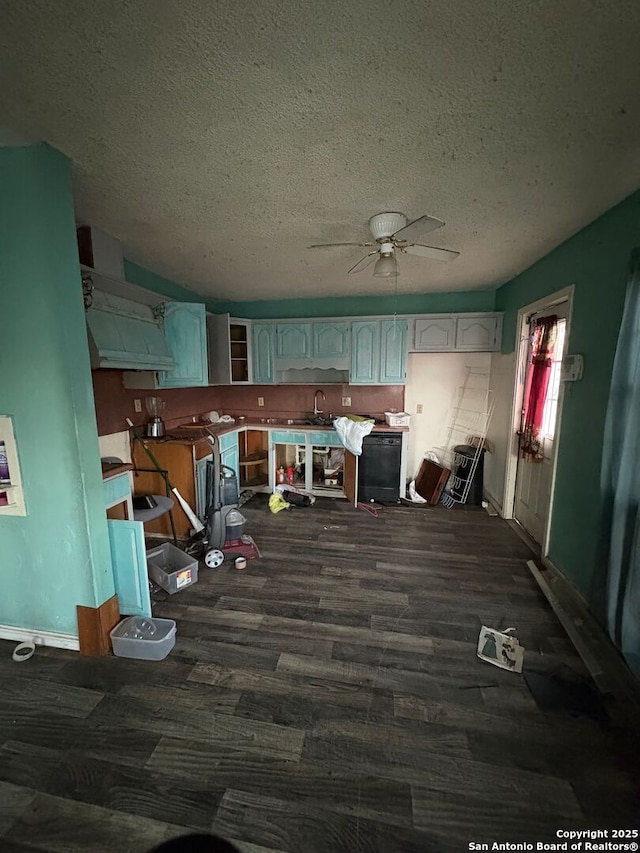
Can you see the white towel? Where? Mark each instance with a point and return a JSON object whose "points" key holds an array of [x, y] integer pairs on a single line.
{"points": [[352, 432]]}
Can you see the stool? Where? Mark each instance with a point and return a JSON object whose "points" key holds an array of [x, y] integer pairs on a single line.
{"points": [[162, 504]]}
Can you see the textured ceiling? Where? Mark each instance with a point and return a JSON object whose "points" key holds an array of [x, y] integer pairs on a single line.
{"points": [[218, 140]]}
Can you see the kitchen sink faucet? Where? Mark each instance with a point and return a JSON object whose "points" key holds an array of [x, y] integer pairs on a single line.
{"points": [[316, 410]]}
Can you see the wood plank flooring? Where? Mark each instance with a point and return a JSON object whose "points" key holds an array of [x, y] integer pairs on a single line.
{"points": [[328, 698]]}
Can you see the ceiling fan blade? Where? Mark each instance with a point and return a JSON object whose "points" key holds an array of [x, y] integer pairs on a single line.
{"points": [[418, 227], [430, 252], [363, 263], [325, 245]]}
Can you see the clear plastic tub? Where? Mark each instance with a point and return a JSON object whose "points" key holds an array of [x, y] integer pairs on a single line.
{"points": [[143, 638], [171, 568]]}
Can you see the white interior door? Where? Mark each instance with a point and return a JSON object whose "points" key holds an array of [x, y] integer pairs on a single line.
{"points": [[534, 480]]}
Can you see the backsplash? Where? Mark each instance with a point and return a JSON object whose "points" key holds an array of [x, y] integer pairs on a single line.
{"points": [[115, 403], [296, 400]]}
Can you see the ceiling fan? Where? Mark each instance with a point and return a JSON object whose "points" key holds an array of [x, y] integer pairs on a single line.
{"points": [[391, 232]]}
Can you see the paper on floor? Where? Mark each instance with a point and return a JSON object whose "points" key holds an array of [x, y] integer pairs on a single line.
{"points": [[500, 649]]}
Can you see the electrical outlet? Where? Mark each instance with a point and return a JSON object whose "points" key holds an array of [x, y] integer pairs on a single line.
{"points": [[346, 401], [419, 409], [261, 401], [137, 405]]}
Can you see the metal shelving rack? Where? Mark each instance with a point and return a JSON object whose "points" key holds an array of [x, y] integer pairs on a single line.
{"points": [[468, 425]]}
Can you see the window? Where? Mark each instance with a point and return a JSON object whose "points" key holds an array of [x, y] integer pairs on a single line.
{"points": [[550, 412]]}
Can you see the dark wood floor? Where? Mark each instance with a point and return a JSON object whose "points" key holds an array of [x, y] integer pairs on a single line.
{"points": [[326, 699]]}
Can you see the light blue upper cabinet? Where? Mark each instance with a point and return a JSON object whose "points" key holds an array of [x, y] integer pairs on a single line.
{"points": [[365, 352], [293, 340], [393, 351], [186, 335], [330, 340], [262, 353]]}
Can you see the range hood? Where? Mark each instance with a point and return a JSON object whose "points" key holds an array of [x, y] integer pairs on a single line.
{"points": [[125, 335]]}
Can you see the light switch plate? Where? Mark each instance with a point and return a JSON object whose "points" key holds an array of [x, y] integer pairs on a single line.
{"points": [[261, 401]]}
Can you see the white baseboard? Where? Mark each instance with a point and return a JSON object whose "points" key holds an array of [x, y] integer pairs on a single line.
{"points": [[39, 638], [495, 503]]}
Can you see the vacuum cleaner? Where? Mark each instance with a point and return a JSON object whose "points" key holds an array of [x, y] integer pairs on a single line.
{"points": [[224, 529]]}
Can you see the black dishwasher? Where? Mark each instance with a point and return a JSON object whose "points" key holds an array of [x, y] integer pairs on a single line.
{"points": [[379, 467]]}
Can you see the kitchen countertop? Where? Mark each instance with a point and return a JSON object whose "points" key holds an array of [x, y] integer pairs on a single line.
{"points": [[112, 469], [198, 432]]}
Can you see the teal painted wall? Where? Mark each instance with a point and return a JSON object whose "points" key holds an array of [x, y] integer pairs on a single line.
{"points": [[136, 274], [344, 306], [595, 260], [354, 306], [58, 555]]}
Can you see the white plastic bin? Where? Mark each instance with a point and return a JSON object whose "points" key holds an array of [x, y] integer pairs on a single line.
{"points": [[171, 568], [397, 419], [142, 638]]}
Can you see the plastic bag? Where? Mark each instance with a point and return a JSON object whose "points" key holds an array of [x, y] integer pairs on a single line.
{"points": [[413, 494], [277, 502]]}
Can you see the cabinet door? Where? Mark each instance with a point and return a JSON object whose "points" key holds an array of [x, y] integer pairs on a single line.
{"points": [[393, 351], [201, 485], [351, 477], [365, 352], [433, 334], [263, 335], [231, 458], [476, 334], [129, 563], [293, 340], [330, 340], [185, 332]]}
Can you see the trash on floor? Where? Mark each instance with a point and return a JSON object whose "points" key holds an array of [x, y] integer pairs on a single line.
{"points": [[277, 503], [500, 649], [489, 508], [431, 480], [413, 494], [372, 508], [296, 496]]}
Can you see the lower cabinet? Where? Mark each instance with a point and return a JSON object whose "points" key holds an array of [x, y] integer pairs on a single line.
{"points": [[201, 485], [129, 564], [185, 461], [312, 460], [126, 543], [230, 453], [253, 460]]}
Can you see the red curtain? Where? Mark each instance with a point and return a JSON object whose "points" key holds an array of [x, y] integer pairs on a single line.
{"points": [[543, 339]]}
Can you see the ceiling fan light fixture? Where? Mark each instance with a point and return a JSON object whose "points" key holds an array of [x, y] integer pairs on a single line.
{"points": [[385, 267], [386, 224]]}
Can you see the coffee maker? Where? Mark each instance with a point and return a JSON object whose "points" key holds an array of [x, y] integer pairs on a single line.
{"points": [[155, 424]]}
